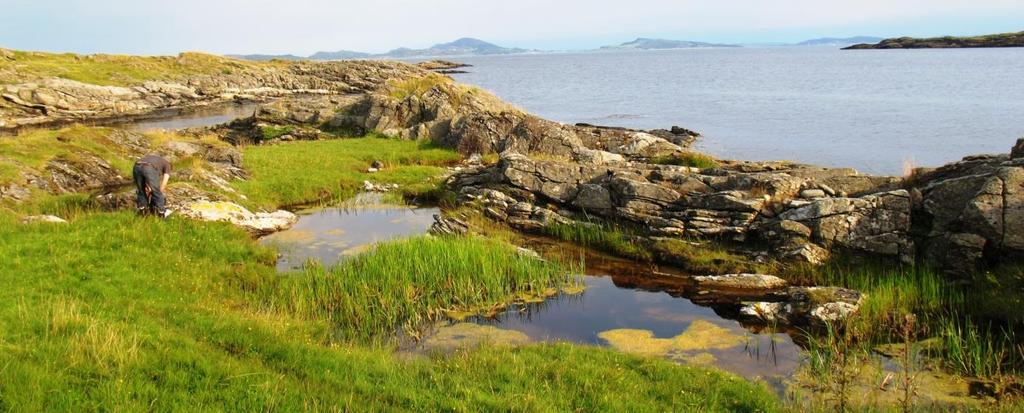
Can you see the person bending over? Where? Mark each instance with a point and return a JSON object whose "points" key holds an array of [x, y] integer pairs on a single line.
{"points": [[151, 174]]}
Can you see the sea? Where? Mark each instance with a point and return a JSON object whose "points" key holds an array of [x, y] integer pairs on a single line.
{"points": [[879, 111]]}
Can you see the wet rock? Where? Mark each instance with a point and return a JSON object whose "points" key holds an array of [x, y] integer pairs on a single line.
{"points": [[1018, 149], [593, 197], [823, 304], [806, 253], [372, 187], [812, 193], [257, 223], [765, 311], [833, 312], [448, 226], [749, 282]]}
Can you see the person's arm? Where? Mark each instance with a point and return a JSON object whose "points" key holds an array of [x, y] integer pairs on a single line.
{"points": [[163, 182]]}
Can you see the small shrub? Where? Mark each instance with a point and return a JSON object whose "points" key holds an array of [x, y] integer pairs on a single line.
{"points": [[690, 159]]}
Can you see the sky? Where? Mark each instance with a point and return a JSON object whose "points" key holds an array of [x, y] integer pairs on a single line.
{"points": [[306, 26]]}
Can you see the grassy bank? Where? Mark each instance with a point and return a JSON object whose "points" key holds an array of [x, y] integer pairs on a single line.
{"points": [[932, 324], [114, 312], [403, 284], [117, 70], [301, 172]]}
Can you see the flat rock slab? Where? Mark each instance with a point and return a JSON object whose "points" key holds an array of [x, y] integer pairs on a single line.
{"points": [[258, 223], [743, 282]]}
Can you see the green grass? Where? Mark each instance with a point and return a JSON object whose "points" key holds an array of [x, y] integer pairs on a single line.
{"points": [[417, 86], [600, 236], [892, 291], [117, 70], [968, 341], [693, 160], [112, 312], [303, 172], [403, 284], [702, 258], [34, 149], [274, 132]]}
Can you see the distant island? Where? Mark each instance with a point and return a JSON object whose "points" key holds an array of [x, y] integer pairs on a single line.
{"points": [[839, 41], [947, 42], [466, 46], [662, 44]]}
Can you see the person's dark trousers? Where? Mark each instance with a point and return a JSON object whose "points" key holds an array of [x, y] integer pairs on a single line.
{"points": [[146, 176]]}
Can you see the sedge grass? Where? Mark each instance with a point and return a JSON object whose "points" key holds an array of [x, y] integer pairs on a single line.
{"points": [[402, 284]]}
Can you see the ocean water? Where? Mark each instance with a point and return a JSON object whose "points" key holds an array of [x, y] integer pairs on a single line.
{"points": [[875, 110]]}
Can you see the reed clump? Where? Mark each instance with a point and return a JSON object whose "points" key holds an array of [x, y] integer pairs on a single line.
{"points": [[399, 286]]}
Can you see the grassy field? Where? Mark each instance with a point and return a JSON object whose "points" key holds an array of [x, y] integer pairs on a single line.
{"points": [[302, 172], [117, 70], [114, 312]]}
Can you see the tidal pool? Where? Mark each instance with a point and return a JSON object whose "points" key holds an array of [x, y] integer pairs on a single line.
{"points": [[626, 307], [200, 117], [329, 235]]}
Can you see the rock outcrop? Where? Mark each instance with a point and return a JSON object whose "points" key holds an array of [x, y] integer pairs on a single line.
{"points": [[960, 217], [971, 213], [739, 202], [806, 305], [52, 100], [473, 121], [257, 223]]}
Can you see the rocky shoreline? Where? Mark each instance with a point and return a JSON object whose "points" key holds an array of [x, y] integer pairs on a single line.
{"points": [[960, 217], [946, 42]]}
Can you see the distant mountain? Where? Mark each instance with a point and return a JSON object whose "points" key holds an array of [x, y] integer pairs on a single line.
{"points": [[839, 41], [465, 46], [657, 44], [339, 55], [948, 42], [266, 57]]}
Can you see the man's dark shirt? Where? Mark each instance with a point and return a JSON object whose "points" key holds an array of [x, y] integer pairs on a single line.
{"points": [[160, 164]]}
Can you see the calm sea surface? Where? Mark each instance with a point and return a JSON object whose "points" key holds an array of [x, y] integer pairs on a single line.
{"points": [[875, 110]]}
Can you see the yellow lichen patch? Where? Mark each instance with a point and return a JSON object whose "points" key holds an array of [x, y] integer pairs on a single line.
{"points": [[700, 336], [227, 207], [467, 335]]}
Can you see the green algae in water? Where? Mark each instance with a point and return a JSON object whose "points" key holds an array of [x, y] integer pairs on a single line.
{"points": [[469, 335], [701, 336]]}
